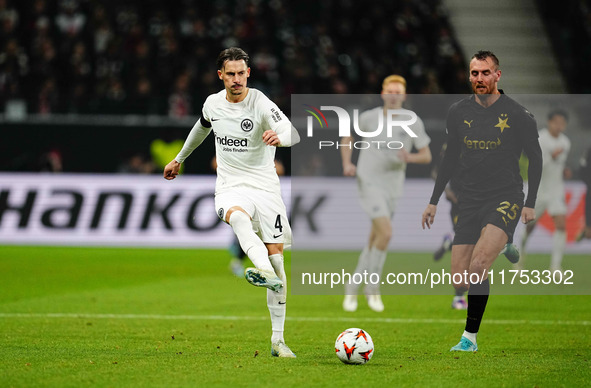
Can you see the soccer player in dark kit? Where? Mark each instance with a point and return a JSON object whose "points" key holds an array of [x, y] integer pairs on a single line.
{"points": [[486, 134]]}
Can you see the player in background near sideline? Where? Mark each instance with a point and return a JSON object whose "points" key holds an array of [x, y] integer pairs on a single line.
{"points": [[486, 134], [555, 147], [380, 178], [247, 127]]}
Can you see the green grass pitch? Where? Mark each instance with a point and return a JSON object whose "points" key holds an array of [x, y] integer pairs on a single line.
{"points": [[107, 317]]}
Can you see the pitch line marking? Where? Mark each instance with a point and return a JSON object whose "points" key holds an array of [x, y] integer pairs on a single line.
{"points": [[295, 319]]}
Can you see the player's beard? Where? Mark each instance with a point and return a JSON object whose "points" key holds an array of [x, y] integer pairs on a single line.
{"points": [[478, 90], [483, 94]]}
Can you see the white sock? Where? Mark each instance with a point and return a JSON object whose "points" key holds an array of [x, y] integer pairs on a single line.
{"points": [[250, 243], [277, 337], [470, 336], [377, 259], [276, 300], [558, 249], [362, 265]]}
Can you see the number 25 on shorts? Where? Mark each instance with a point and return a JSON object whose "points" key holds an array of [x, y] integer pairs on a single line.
{"points": [[511, 213]]}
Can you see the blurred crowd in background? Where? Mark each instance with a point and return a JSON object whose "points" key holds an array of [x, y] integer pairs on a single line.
{"points": [[568, 24], [158, 57]]}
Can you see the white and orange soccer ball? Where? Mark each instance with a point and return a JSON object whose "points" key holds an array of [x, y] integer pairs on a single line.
{"points": [[354, 346]]}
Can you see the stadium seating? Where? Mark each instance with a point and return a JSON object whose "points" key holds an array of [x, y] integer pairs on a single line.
{"points": [[138, 57]]}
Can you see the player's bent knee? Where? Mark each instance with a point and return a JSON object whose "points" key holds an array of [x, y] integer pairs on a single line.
{"points": [[385, 235], [234, 209], [560, 223], [238, 219], [382, 236]]}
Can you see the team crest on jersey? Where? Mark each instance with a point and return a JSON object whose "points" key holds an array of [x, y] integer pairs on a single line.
{"points": [[246, 125], [221, 213]]}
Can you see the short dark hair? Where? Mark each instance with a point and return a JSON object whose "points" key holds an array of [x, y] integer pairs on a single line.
{"points": [[558, 112], [481, 55], [232, 54]]}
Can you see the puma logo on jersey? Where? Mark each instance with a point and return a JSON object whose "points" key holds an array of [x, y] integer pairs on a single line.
{"points": [[228, 141], [469, 123]]}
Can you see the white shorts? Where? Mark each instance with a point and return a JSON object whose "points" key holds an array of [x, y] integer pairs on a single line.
{"points": [[379, 198], [267, 211], [554, 204]]}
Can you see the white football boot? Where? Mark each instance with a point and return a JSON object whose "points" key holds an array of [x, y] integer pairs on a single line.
{"points": [[261, 278], [280, 349], [375, 303], [350, 303]]}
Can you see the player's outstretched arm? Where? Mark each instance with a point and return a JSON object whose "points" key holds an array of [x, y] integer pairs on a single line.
{"points": [[429, 216], [528, 214], [198, 133], [171, 170]]}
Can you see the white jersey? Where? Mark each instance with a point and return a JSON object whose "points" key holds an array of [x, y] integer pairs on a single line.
{"points": [[552, 183], [378, 158], [243, 159]]}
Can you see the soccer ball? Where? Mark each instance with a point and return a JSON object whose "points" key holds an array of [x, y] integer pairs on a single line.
{"points": [[354, 346]]}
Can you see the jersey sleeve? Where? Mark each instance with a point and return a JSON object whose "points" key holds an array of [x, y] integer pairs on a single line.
{"points": [[531, 146], [274, 119], [198, 133], [205, 111], [272, 116], [422, 140], [450, 158]]}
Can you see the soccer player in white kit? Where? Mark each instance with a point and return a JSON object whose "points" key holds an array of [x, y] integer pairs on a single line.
{"points": [[380, 178], [247, 127], [555, 147]]}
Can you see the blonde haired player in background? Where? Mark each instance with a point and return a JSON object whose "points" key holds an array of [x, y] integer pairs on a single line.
{"points": [[551, 197], [247, 127], [380, 179]]}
